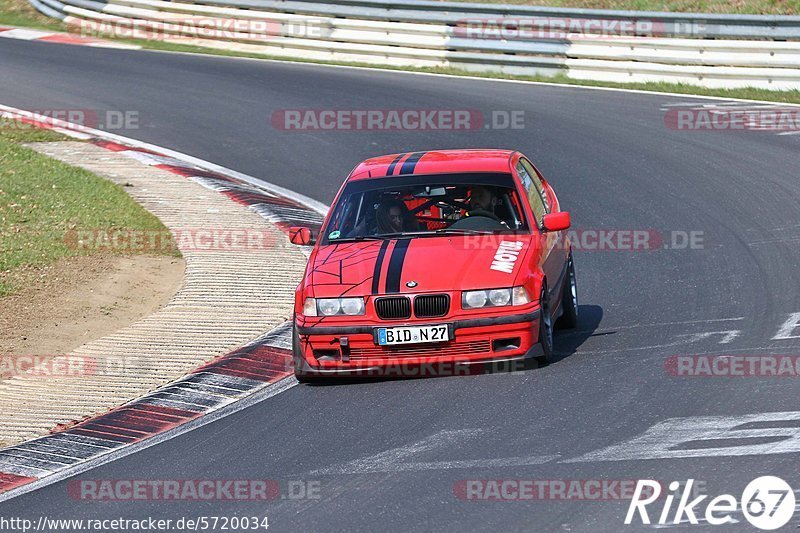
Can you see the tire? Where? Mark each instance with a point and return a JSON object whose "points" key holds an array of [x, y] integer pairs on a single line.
{"points": [[297, 357], [545, 328], [303, 378], [569, 299]]}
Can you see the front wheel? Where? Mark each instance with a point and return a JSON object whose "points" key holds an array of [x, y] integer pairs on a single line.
{"points": [[545, 328], [569, 299], [297, 356]]}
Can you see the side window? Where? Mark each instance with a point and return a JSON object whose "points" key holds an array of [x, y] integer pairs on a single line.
{"points": [[344, 218], [537, 182], [533, 192]]}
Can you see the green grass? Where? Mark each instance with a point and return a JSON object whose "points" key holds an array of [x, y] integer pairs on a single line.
{"points": [[764, 7], [21, 13], [42, 200]]}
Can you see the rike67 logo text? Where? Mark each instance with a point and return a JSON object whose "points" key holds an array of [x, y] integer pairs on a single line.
{"points": [[767, 503]]}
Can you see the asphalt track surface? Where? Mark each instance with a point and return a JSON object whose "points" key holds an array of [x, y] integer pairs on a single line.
{"points": [[614, 165]]}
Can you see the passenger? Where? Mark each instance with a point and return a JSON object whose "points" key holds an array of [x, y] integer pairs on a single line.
{"points": [[394, 217]]}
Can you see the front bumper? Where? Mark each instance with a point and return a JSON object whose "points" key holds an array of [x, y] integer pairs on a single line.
{"points": [[323, 350]]}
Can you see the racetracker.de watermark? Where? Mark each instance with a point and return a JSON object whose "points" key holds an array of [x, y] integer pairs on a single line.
{"points": [[543, 489], [733, 366], [32, 365], [194, 27], [559, 28], [342, 120], [516, 490], [43, 366], [149, 490], [603, 240], [191, 27], [427, 370], [767, 119], [185, 239], [105, 119]]}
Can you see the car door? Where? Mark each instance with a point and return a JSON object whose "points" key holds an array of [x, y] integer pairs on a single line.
{"points": [[553, 259]]}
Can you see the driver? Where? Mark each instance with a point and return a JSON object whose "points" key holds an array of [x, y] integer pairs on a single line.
{"points": [[482, 202]]}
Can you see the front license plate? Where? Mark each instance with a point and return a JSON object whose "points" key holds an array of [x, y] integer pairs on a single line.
{"points": [[412, 335]]}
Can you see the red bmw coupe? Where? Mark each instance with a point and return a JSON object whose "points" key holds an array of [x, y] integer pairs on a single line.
{"points": [[452, 256]]}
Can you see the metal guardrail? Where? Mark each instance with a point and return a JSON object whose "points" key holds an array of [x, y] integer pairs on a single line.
{"points": [[425, 11], [628, 46]]}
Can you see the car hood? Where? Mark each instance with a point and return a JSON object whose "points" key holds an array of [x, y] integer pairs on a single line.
{"points": [[421, 264]]}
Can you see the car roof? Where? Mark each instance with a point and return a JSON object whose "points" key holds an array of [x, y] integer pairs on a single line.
{"points": [[434, 162]]}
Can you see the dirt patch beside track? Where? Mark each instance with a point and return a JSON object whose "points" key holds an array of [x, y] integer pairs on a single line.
{"points": [[80, 299]]}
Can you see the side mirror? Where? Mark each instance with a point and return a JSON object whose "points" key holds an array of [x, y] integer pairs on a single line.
{"points": [[300, 236], [556, 221]]}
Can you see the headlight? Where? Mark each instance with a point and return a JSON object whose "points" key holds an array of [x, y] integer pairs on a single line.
{"points": [[352, 306], [333, 306], [474, 299], [500, 296], [329, 306], [494, 298]]}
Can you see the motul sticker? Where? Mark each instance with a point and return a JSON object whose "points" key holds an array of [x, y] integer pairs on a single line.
{"points": [[506, 256]]}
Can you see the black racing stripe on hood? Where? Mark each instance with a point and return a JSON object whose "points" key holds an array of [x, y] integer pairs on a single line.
{"points": [[396, 265], [376, 274], [397, 159], [411, 163]]}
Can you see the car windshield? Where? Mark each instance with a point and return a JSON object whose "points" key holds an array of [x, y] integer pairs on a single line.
{"points": [[426, 205]]}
